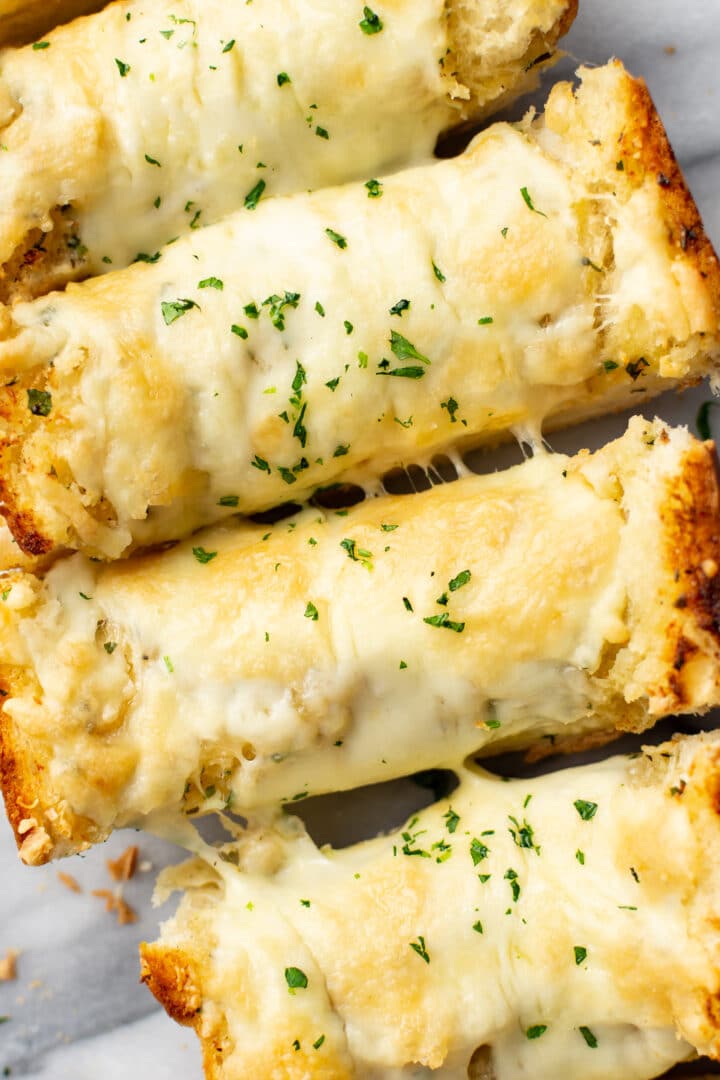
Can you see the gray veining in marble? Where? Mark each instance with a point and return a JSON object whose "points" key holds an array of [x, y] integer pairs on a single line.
{"points": [[76, 1010]]}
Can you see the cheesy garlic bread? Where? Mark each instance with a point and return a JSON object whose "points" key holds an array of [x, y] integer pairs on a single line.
{"points": [[562, 926], [123, 131], [23, 20], [557, 603], [555, 270]]}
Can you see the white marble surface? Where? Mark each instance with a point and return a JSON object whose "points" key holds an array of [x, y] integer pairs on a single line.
{"points": [[76, 1010]]}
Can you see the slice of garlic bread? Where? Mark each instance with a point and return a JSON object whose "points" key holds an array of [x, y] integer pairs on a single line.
{"points": [[551, 605], [562, 926], [556, 269]]}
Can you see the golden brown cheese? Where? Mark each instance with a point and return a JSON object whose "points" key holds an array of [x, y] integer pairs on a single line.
{"points": [[555, 603], [24, 20], [150, 119], [562, 926], [332, 335]]}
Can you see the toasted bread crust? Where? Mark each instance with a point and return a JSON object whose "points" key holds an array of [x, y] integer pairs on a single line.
{"points": [[645, 140], [21, 786], [174, 980], [691, 520]]}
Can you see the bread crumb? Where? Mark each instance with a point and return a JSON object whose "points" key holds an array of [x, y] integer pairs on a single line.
{"points": [[8, 966], [69, 882], [670, 50], [125, 914], [123, 868]]}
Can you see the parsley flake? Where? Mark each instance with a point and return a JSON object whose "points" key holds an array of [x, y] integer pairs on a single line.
{"points": [[529, 203], [419, 947], [254, 195], [371, 23], [211, 283], [283, 78], [204, 556], [586, 810], [311, 612], [580, 954], [589, 1037], [402, 305], [478, 851], [295, 979], [172, 310], [536, 1031], [404, 349], [445, 621], [337, 238], [123, 68], [452, 820], [39, 402], [374, 188]]}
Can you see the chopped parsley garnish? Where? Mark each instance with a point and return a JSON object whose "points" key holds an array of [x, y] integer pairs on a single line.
{"points": [[252, 311], [321, 132], [404, 349], [357, 554], [389, 528], [635, 368], [144, 257], [337, 238], [37, 46], [593, 266], [85, 596], [295, 979], [371, 23], [523, 835], [175, 309], [586, 810], [39, 402], [311, 612], [589, 1037], [445, 621], [403, 665], [320, 309], [204, 556], [452, 407], [123, 68], [276, 309], [511, 876], [478, 927], [397, 309], [228, 500], [340, 450], [287, 474], [536, 1031], [239, 331], [283, 78], [169, 664], [348, 327], [260, 463], [580, 953], [305, 903], [211, 283], [452, 820], [404, 373], [459, 580], [374, 188], [419, 947], [408, 605], [229, 45], [439, 274], [110, 647], [610, 365], [153, 161], [529, 203], [318, 1042], [332, 385], [478, 851], [702, 420], [254, 195], [486, 320], [580, 856]]}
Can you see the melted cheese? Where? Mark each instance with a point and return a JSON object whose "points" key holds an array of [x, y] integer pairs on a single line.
{"points": [[156, 118], [566, 924], [261, 664], [337, 334]]}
